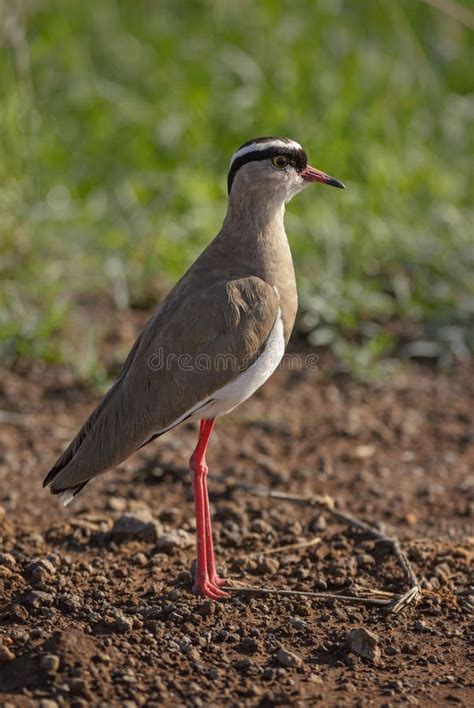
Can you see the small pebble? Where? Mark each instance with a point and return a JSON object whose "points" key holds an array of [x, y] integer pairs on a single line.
{"points": [[175, 539], [116, 504], [364, 643], [205, 608], [50, 663], [7, 560], [137, 525], [268, 566], [6, 654], [288, 658]]}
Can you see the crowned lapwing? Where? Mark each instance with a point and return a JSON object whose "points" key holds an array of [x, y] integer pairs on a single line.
{"points": [[214, 340]]}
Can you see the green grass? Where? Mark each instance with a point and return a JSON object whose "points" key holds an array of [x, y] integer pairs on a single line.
{"points": [[118, 119]]}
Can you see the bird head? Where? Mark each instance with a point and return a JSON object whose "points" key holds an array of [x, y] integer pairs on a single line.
{"points": [[275, 167]]}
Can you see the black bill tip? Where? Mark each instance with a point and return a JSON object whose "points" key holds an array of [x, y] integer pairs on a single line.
{"points": [[333, 182]]}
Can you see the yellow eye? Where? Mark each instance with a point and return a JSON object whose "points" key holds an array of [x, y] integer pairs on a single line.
{"points": [[280, 162]]}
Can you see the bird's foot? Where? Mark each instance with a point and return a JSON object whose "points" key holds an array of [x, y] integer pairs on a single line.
{"points": [[220, 582], [209, 588]]}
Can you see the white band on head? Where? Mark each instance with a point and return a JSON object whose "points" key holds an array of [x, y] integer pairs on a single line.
{"points": [[253, 147]]}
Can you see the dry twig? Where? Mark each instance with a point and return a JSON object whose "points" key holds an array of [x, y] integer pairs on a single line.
{"points": [[394, 603], [315, 595], [284, 549]]}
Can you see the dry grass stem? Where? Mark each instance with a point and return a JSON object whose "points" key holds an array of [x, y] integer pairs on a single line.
{"points": [[284, 549], [393, 602]]}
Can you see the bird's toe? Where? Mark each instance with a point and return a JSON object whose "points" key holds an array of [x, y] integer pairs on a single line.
{"points": [[220, 582], [210, 590]]}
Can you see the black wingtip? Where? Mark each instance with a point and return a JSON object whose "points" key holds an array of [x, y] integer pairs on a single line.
{"points": [[49, 478]]}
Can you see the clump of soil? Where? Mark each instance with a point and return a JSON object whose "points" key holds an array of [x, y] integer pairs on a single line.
{"points": [[96, 600]]}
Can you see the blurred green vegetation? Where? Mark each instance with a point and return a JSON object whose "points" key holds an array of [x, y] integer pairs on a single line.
{"points": [[117, 121]]}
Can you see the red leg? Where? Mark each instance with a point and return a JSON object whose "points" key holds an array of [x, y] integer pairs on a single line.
{"points": [[211, 563], [206, 580]]}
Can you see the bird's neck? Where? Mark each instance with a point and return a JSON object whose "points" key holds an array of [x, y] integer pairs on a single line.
{"points": [[254, 233], [254, 226], [255, 215], [253, 236]]}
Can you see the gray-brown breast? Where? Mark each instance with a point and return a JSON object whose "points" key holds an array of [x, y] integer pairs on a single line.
{"points": [[242, 252]]}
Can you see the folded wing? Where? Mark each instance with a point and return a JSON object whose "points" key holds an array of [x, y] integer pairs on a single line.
{"points": [[190, 348]]}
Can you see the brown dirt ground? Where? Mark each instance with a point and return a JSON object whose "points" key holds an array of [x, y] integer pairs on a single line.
{"points": [[120, 616]]}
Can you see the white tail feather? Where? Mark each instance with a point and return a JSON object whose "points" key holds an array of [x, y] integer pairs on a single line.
{"points": [[66, 496]]}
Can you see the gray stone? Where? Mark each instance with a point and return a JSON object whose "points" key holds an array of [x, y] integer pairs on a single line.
{"points": [[364, 643], [50, 663], [39, 570], [136, 525], [288, 658], [174, 539], [120, 622], [38, 598]]}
